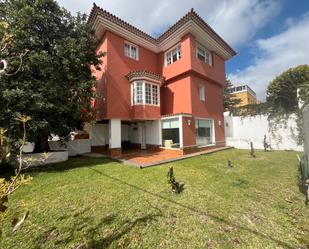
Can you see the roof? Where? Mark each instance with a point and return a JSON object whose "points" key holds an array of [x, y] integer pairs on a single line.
{"points": [[96, 10], [192, 15], [135, 75], [190, 18]]}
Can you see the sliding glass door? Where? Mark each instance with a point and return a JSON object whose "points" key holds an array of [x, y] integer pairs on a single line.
{"points": [[204, 132], [170, 133]]}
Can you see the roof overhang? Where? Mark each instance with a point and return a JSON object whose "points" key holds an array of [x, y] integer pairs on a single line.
{"points": [[103, 21], [145, 75]]}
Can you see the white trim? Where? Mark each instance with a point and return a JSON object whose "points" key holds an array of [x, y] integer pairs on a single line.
{"points": [[183, 115], [144, 93], [208, 145], [101, 24], [141, 78], [132, 101], [160, 132], [214, 131], [180, 132], [169, 148]]}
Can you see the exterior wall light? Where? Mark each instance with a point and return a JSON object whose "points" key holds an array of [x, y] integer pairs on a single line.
{"points": [[189, 122], [219, 122]]}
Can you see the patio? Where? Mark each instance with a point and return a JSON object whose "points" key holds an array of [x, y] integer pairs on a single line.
{"points": [[148, 158]]}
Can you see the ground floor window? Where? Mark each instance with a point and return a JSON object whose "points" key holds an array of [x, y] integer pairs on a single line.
{"points": [[204, 132], [170, 133]]}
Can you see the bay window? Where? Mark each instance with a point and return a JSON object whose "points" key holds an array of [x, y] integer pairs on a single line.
{"points": [[145, 93]]}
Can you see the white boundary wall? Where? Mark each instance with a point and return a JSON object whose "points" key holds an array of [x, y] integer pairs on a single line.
{"points": [[239, 131], [306, 130]]}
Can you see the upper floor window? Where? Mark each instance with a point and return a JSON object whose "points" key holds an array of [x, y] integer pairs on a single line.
{"points": [[173, 55], [203, 54], [201, 92], [131, 50], [145, 93]]}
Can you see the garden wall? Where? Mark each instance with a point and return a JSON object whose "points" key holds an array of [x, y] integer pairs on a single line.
{"points": [[74, 148], [306, 130], [241, 130]]}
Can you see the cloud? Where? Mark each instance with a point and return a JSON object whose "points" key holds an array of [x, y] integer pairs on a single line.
{"points": [[237, 21], [276, 54]]}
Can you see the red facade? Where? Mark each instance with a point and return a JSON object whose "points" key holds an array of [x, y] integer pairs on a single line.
{"points": [[179, 92]]}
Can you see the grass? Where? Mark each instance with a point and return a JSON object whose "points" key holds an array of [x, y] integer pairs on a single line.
{"points": [[99, 203]]}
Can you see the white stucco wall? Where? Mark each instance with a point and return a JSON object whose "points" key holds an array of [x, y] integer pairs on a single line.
{"points": [[153, 130], [124, 132], [114, 133], [134, 133], [74, 147], [241, 130], [306, 130], [98, 134], [38, 159]]}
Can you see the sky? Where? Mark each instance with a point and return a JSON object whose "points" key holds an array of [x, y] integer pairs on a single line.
{"points": [[270, 36]]}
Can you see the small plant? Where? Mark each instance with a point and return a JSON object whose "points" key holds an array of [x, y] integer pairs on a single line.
{"points": [[267, 146], [252, 152], [230, 164], [176, 186], [7, 187]]}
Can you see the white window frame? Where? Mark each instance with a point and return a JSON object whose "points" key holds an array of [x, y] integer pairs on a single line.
{"points": [[130, 54], [201, 93], [208, 54], [178, 54], [152, 97]]}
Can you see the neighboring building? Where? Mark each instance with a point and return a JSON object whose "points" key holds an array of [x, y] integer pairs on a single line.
{"points": [[245, 94], [159, 92]]}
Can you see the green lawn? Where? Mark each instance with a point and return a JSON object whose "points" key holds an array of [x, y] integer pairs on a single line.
{"points": [[99, 203]]}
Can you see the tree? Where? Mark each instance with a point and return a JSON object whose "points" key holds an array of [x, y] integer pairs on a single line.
{"points": [[283, 97], [55, 84], [282, 91], [229, 100]]}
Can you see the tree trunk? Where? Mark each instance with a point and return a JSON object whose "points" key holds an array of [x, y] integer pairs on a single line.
{"points": [[41, 145]]}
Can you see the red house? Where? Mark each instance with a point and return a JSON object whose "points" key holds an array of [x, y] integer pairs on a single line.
{"points": [[159, 92]]}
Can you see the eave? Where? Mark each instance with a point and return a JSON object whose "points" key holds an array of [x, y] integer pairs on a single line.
{"points": [[192, 23]]}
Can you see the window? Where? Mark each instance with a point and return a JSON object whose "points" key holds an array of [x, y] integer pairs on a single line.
{"points": [[201, 92], [138, 92], [204, 132], [155, 100], [173, 55], [131, 50], [170, 133], [203, 54], [145, 93]]}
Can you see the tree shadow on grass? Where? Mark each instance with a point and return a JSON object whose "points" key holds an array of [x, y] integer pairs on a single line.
{"points": [[199, 212], [87, 230], [119, 232], [72, 163]]}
